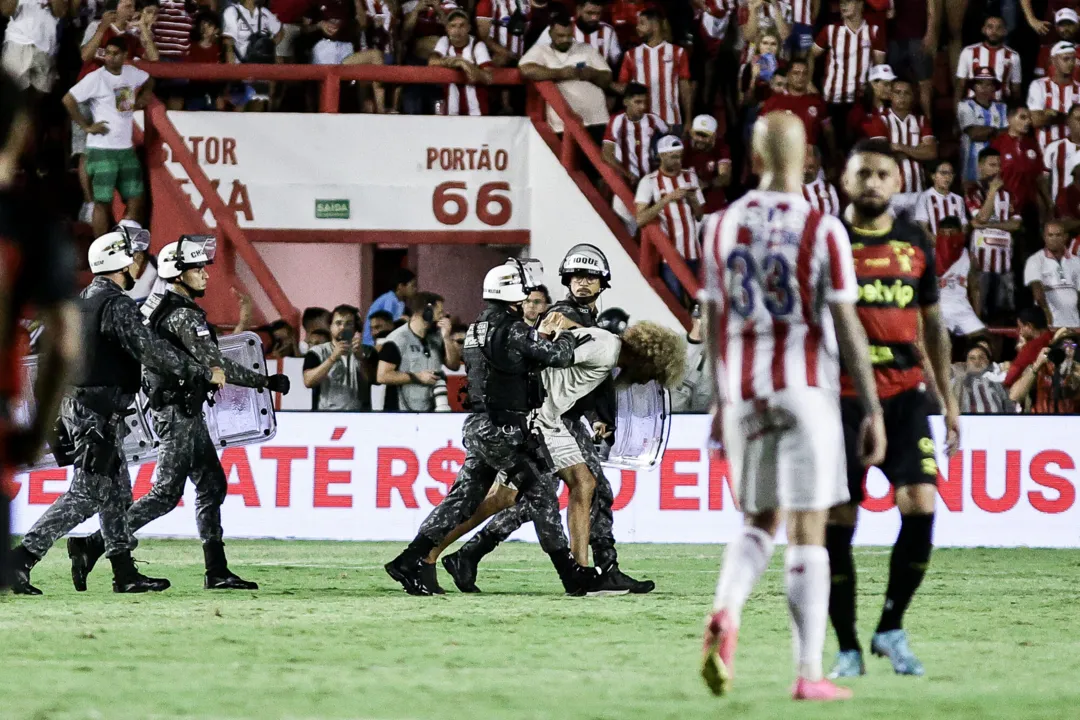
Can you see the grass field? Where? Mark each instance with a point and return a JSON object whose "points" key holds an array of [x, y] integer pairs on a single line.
{"points": [[330, 636]]}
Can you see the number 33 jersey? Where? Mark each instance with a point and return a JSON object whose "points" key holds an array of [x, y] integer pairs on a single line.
{"points": [[772, 265]]}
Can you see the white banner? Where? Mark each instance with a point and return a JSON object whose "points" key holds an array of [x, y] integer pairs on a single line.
{"points": [[361, 172], [376, 476]]}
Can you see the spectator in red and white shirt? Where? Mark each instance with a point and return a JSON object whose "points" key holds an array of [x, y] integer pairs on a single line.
{"points": [[1059, 155], [994, 219], [709, 157], [663, 68], [1022, 168], [172, 28], [850, 47], [459, 50], [1050, 98], [423, 25], [799, 99], [673, 196], [628, 144], [991, 53], [1065, 23], [940, 202], [818, 191], [590, 30], [875, 100], [502, 24], [909, 133], [757, 17], [122, 20], [1067, 205]]}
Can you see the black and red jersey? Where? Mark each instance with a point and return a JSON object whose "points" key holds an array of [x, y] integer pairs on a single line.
{"points": [[895, 273]]}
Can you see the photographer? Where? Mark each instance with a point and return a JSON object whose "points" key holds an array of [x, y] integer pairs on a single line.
{"points": [[335, 371], [1051, 385], [412, 356]]}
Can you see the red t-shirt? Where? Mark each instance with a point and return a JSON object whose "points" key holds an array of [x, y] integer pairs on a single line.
{"points": [[810, 109], [705, 164], [623, 17], [136, 51], [199, 54], [859, 119], [1021, 167], [1027, 356], [909, 20], [291, 12], [947, 249]]}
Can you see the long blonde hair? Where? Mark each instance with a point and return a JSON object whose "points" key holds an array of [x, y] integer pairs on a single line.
{"points": [[652, 352]]}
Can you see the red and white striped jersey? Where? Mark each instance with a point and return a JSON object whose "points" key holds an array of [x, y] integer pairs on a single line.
{"points": [[1045, 94], [850, 55], [932, 207], [1004, 61], [910, 131], [633, 141], [715, 18], [771, 264], [465, 99], [172, 29], [660, 69], [603, 39], [992, 248], [379, 33], [499, 12], [677, 219], [1058, 157], [800, 12], [822, 196]]}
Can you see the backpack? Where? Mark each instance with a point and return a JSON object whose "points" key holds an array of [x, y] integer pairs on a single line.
{"points": [[261, 49]]}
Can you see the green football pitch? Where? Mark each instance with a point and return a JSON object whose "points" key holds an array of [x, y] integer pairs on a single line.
{"points": [[329, 635]]}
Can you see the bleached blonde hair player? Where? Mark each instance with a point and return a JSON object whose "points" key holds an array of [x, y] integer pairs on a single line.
{"points": [[780, 296]]}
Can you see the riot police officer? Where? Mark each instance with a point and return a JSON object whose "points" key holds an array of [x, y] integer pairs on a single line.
{"points": [[503, 357], [186, 448], [116, 343], [586, 274]]}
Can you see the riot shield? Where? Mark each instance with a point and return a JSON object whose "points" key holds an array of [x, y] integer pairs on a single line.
{"points": [[239, 415], [642, 427]]}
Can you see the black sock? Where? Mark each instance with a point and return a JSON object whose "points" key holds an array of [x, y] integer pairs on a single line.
{"points": [[418, 549], [842, 593], [910, 556]]}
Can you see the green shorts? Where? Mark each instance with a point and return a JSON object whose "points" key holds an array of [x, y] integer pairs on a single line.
{"points": [[111, 170]]}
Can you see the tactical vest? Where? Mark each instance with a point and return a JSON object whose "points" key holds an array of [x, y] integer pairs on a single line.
{"points": [[601, 401], [500, 380], [108, 363], [170, 303]]}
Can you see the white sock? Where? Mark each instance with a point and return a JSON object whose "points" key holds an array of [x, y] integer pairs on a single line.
{"points": [[806, 569], [745, 560]]}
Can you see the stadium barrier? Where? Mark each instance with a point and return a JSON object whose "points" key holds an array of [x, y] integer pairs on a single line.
{"points": [[376, 476]]}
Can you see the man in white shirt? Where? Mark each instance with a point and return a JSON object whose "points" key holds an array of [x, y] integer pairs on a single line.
{"points": [[114, 93], [582, 76], [30, 41], [939, 202], [246, 25], [1054, 278]]}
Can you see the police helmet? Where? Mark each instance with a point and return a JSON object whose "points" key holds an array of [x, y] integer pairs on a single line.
{"points": [[614, 320], [182, 255], [110, 253], [585, 259], [137, 235]]}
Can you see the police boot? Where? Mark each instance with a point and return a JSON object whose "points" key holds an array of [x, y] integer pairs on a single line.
{"points": [[619, 579], [408, 571], [22, 562], [462, 567], [84, 553], [218, 575], [575, 578], [127, 579], [604, 583]]}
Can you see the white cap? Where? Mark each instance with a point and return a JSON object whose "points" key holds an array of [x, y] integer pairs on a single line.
{"points": [[882, 72], [1063, 48], [668, 143], [704, 123], [1066, 15]]}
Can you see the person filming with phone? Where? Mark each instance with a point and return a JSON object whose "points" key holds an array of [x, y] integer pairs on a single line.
{"points": [[335, 371], [412, 356]]}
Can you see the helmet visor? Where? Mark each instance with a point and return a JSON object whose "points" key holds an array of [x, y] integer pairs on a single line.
{"points": [[208, 244]]}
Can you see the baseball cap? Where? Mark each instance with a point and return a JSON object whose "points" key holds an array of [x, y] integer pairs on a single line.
{"points": [[1066, 15], [882, 72], [668, 143], [985, 73], [1062, 48], [704, 123]]}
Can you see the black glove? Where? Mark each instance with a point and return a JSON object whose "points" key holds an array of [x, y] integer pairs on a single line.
{"points": [[278, 384]]}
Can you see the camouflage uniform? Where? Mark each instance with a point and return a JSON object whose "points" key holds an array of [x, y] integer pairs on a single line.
{"points": [[186, 448], [93, 416]]}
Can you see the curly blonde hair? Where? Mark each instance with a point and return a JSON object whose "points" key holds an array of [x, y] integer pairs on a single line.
{"points": [[652, 352]]}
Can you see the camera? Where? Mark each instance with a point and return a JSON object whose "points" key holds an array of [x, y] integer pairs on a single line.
{"points": [[1058, 351], [439, 393]]}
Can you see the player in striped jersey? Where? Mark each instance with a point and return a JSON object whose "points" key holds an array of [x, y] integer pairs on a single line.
{"points": [[1050, 98], [663, 68], [461, 51], [909, 133], [816, 189], [590, 30], [772, 265], [991, 53], [939, 201], [628, 144], [1060, 153], [980, 118], [895, 269]]}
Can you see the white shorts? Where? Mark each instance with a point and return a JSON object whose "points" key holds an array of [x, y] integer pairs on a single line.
{"points": [[790, 455], [960, 317], [562, 446], [29, 66]]}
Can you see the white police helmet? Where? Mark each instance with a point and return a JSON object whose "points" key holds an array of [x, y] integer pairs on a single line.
{"points": [[110, 253], [180, 256], [585, 259], [507, 283]]}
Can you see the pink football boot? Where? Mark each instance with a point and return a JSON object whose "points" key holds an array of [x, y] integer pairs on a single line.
{"points": [[819, 690], [718, 657]]}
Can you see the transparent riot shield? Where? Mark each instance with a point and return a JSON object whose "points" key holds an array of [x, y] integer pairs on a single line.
{"points": [[239, 415], [643, 425]]}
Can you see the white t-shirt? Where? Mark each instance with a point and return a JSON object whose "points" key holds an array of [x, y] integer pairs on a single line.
{"points": [[1061, 283], [330, 52], [33, 24], [593, 361], [586, 99], [112, 101], [240, 25]]}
